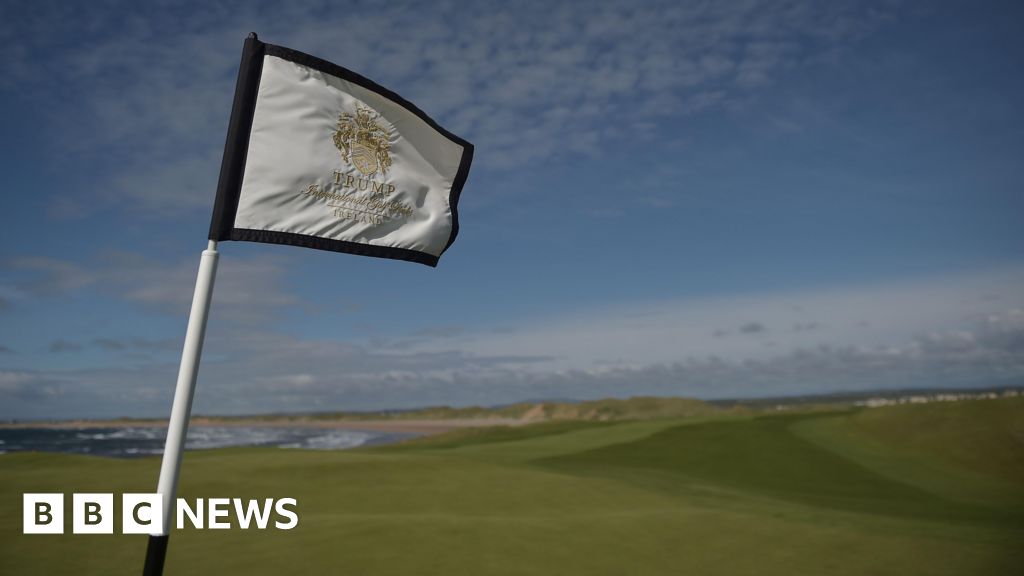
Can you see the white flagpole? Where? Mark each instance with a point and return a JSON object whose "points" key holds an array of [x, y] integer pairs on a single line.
{"points": [[182, 407]]}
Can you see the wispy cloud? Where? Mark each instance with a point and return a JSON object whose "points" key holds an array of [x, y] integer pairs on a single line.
{"points": [[753, 328], [61, 345], [145, 344], [965, 330], [529, 82], [664, 332], [17, 387], [249, 291], [47, 276]]}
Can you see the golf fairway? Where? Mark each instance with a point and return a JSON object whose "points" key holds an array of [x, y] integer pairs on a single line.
{"points": [[917, 489]]}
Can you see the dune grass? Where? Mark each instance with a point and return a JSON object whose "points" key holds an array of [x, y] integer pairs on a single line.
{"points": [[933, 489]]}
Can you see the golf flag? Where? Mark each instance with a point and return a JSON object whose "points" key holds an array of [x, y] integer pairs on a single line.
{"points": [[321, 157]]}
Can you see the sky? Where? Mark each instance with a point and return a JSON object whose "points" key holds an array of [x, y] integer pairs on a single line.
{"points": [[678, 198]]}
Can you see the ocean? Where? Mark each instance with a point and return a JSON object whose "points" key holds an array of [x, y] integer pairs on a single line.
{"points": [[129, 442]]}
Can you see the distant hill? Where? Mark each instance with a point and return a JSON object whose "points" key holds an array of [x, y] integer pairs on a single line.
{"points": [[608, 409], [640, 407], [654, 407]]}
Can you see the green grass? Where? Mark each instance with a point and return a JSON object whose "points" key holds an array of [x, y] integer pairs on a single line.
{"points": [[934, 489]]}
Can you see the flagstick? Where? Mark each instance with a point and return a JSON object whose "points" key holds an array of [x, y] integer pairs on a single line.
{"points": [[156, 552]]}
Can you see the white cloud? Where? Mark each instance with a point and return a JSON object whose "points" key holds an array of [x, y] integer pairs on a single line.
{"points": [[28, 386], [965, 330], [758, 326]]}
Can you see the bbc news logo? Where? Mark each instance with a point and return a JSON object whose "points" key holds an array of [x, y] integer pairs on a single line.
{"points": [[144, 514]]}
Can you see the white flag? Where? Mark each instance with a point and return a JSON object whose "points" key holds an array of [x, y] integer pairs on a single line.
{"points": [[320, 157]]}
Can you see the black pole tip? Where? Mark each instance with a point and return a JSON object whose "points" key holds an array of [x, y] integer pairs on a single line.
{"points": [[252, 35], [156, 553]]}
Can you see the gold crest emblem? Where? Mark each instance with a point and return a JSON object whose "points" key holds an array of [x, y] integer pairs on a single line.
{"points": [[363, 142]]}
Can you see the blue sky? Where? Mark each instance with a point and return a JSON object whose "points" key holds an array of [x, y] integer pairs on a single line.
{"points": [[710, 199]]}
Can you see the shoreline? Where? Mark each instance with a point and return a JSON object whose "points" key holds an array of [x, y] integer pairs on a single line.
{"points": [[421, 427]]}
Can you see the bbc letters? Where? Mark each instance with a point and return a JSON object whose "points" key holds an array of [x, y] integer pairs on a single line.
{"points": [[144, 514]]}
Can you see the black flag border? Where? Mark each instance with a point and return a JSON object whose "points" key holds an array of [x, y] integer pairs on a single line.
{"points": [[236, 147]]}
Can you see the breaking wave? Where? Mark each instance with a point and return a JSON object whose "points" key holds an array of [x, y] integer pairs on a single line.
{"points": [[148, 441]]}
